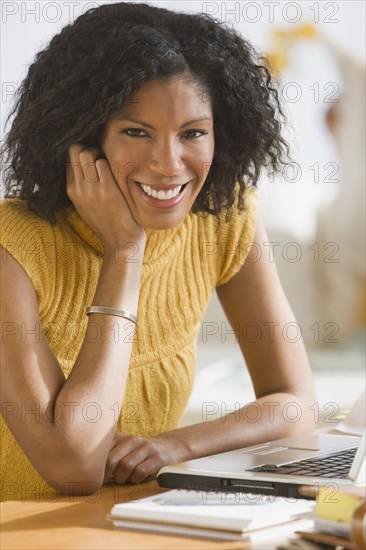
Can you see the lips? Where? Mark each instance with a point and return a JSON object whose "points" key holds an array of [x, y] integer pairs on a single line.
{"points": [[162, 195], [158, 188], [163, 203]]}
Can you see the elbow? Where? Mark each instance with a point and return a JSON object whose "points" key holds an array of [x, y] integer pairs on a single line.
{"points": [[75, 482], [305, 417], [73, 476], [307, 424], [302, 423], [305, 400]]}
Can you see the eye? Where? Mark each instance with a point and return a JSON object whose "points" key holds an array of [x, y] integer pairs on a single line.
{"points": [[134, 132], [138, 133], [190, 133]]}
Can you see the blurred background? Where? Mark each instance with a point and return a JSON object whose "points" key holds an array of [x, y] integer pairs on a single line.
{"points": [[314, 211]]}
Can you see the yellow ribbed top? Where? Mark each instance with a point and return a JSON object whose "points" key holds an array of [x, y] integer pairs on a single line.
{"points": [[181, 268]]}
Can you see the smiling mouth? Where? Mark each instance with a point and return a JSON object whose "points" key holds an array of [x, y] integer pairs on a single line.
{"points": [[154, 193]]}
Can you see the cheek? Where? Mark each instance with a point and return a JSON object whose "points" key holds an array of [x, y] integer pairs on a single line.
{"points": [[112, 151], [203, 159], [125, 152], [123, 160], [209, 147]]}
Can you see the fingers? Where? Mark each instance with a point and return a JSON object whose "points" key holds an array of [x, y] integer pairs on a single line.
{"points": [[103, 170], [82, 169], [87, 158], [98, 198], [74, 170], [132, 460], [123, 445], [133, 468], [142, 472]]}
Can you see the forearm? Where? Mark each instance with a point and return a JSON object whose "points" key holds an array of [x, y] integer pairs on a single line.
{"points": [[91, 398], [271, 417]]}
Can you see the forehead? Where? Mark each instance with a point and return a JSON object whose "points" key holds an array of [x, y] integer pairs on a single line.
{"points": [[177, 97]]}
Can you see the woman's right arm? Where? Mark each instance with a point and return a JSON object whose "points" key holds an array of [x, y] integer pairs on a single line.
{"points": [[66, 427]]}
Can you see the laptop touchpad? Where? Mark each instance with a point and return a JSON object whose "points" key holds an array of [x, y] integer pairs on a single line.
{"points": [[281, 456]]}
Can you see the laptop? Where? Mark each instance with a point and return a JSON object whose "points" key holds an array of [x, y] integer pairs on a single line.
{"points": [[277, 468]]}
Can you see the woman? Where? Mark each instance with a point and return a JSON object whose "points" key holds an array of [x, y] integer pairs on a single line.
{"points": [[138, 139]]}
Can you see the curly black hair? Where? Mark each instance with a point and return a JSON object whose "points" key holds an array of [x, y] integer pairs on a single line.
{"points": [[89, 70]]}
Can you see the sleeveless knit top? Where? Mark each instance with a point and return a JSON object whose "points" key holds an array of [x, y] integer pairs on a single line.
{"points": [[181, 268]]}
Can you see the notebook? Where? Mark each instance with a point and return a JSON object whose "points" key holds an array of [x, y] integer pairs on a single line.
{"points": [[278, 468], [214, 516]]}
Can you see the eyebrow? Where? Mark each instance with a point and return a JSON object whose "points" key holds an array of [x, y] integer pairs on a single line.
{"points": [[134, 119]]}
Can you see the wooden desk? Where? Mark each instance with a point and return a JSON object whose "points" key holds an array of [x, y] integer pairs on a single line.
{"points": [[61, 522]]}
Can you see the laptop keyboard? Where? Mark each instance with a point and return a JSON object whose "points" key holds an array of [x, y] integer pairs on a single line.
{"points": [[334, 466]]}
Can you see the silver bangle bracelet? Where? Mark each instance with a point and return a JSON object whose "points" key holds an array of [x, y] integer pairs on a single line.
{"points": [[112, 311]]}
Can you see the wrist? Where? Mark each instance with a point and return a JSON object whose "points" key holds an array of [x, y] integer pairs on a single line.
{"points": [[177, 441], [128, 251]]}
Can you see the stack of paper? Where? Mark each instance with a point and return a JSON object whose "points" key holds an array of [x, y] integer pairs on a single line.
{"points": [[339, 517], [221, 516], [334, 511]]}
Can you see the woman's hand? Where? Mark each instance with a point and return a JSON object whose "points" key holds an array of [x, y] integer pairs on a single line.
{"points": [[134, 458], [98, 199]]}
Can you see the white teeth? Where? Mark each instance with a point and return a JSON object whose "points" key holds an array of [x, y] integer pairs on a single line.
{"points": [[161, 195]]}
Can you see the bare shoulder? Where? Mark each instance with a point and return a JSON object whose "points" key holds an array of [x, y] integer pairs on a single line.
{"points": [[257, 277], [14, 281], [30, 373]]}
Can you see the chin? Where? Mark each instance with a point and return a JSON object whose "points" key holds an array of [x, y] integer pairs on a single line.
{"points": [[161, 224]]}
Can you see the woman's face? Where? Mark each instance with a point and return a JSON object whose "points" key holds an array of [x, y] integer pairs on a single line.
{"points": [[161, 140]]}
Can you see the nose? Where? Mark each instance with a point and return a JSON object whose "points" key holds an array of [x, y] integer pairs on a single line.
{"points": [[166, 159]]}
